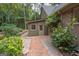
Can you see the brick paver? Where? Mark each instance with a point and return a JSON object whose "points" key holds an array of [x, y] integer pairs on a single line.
{"points": [[39, 46], [36, 47]]}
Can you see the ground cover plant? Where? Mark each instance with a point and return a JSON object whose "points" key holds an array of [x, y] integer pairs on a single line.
{"points": [[10, 29], [10, 43], [11, 46]]}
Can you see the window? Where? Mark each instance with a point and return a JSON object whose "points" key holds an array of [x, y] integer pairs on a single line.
{"points": [[33, 26], [41, 27]]}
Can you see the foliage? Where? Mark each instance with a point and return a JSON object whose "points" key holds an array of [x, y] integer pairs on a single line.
{"points": [[12, 13], [10, 29], [63, 38], [11, 46], [53, 20], [1, 36], [34, 16]]}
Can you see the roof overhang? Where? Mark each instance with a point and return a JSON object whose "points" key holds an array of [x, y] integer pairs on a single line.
{"points": [[68, 7], [60, 7], [36, 21]]}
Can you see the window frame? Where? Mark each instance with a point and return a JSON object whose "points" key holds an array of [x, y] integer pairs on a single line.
{"points": [[33, 27]]}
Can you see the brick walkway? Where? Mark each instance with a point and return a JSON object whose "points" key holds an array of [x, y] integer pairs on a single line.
{"points": [[37, 48]]}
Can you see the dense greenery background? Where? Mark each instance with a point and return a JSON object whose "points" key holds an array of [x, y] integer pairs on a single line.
{"points": [[17, 14]]}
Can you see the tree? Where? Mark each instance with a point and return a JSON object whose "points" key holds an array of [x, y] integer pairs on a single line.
{"points": [[12, 13]]}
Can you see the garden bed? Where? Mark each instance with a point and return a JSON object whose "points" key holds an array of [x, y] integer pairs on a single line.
{"points": [[70, 54]]}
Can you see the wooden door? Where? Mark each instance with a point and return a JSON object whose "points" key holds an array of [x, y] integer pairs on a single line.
{"points": [[41, 29]]}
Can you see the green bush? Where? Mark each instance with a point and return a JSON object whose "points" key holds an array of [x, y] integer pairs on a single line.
{"points": [[11, 46], [53, 20], [63, 38], [10, 29]]}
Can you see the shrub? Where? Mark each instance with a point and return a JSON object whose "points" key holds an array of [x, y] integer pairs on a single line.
{"points": [[63, 38], [11, 46], [10, 29], [53, 20]]}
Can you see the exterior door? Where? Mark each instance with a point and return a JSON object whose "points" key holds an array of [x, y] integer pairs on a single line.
{"points": [[41, 30]]}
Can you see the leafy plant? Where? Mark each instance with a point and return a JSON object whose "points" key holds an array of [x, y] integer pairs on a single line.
{"points": [[63, 38], [11, 46], [10, 29], [53, 20], [12, 13]]}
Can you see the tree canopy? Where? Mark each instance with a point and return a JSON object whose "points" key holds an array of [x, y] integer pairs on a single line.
{"points": [[12, 12]]}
